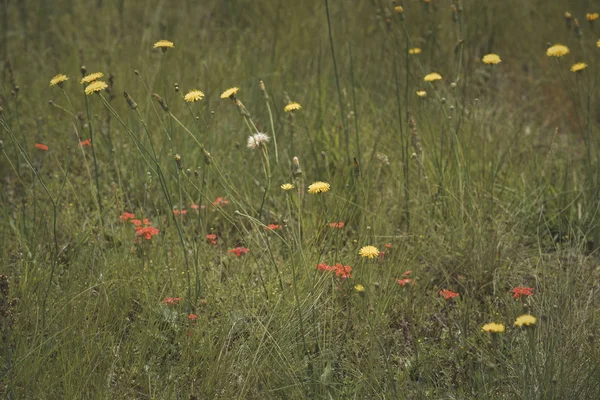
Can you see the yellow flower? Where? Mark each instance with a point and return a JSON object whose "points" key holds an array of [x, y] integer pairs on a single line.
{"points": [[319, 187], [95, 86], [292, 107], [193, 96], [287, 186], [525, 320], [359, 288], [398, 10], [414, 50], [592, 16], [578, 67], [421, 93], [558, 50], [229, 92], [491, 59], [91, 77], [598, 43], [164, 45], [369, 252], [568, 15], [493, 327], [58, 80], [434, 76]]}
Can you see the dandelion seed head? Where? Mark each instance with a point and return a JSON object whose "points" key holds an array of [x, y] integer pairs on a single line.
{"points": [[257, 140]]}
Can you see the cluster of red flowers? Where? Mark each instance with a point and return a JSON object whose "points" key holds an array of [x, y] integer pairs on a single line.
{"points": [[521, 291], [341, 271], [86, 143], [220, 201], [196, 207], [239, 251], [143, 228], [171, 301], [272, 227], [179, 212], [211, 238], [405, 281], [448, 294], [338, 225]]}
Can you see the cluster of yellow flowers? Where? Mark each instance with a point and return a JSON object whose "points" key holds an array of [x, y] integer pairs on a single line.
{"points": [[525, 320]]}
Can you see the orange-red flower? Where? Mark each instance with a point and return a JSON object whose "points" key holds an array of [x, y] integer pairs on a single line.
{"points": [[388, 245], [521, 291], [407, 273], [42, 147], [194, 206], [171, 301], [126, 216], [343, 271], [179, 212], [136, 222], [220, 201], [336, 224], [272, 227], [239, 251], [193, 318], [211, 238], [404, 281], [86, 143], [448, 294], [146, 232], [325, 267]]}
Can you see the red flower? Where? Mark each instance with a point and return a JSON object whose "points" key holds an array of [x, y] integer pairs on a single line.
{"points": [[126, 216], [381, 256], [171, 301], [42, 147], [407, 273], [388, 245], [193, 318], [211, 238], [521, 291], [343, 271], [220, 201], [404, 281], [272, 227], [146, 232], [325, 267], [239, 251], [146, 221], [86, 143], [194, 206], [179, 212], [136, 222], [336, 224], [448, 294]]}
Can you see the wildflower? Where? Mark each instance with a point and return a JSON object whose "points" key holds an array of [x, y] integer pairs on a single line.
{"points": [[319, 187], [164, 45], [592, 16], [91, 77], [598, 43], [193, 96], [86, 143], [448, 294], [525, 320], [272, 227], [399, 10], [257, 140], [407, 273], [324, 267], [220, 201], [578, 67], [136, 222], [193, 318], [95, 86], [146, 232], [343, 271], [42, 147], [171, 301], [404, 281], [493, 327], [336, 224], [230, 92], [146, 221], [421, 93], [239, 251], [369, 252], [521, 291], [287, 186], [434, 76], [292, 107], [491, 59], [359, 288], [388, 245], [211, 238], [126, 216], [59, 80], [179, 212], [558, 50], [414, 50], [194, 206]]}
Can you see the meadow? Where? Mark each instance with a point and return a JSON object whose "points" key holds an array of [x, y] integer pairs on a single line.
{"points": [[319, 199]]}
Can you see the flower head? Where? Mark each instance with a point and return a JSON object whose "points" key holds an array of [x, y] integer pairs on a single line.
{"points": [[434, 76], [257, 140], [220, 201], [369, 252], [578, 67], [229, 92], [287, 186], [343, 271], [193, 96], [558, 50], [448, 294], [493, 327], [318, 187], [192, 317], [171, 301], [239, 251], [521, 291], [359, 288], [92, 77], [525, 320], [491, 59], [95, 86], [421, 93], [42, 147], [404, 281], [272, 227], [592, 16], [337, 224], [211, 238], [86, 143], [147, 232], [163, 45], [414, 50], [292, 107], [126, 216], [398, 10], [58, 80]]}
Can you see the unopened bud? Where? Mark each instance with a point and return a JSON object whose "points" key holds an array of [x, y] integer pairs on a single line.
{"points": [[132, 104], [162, 103]]}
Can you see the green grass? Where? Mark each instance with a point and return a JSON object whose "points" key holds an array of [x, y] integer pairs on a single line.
{"points": [[488, 183]]}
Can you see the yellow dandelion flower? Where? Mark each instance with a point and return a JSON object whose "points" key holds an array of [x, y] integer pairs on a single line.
{"points": [[193, 96], [359, 288], [558, 50], [525, 320], [287, 186], [491, 59], [421, 93], [58, 80], [91, 77], [95, 86], [493, 327], [592, 16], [164, 45], [319, 187], [229, 92], [578, 67], [414, 50], [598, 43], [434, 76], [398, 10], [369, 252], [568, 15], [292, 107]]}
